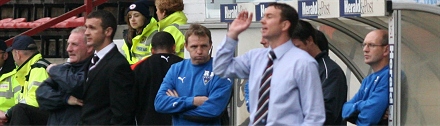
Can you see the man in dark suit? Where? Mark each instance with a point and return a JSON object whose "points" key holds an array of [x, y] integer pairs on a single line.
{"points": [[108, 91]]}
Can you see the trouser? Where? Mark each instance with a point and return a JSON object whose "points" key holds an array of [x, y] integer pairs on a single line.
{"points": [[23, 114]]}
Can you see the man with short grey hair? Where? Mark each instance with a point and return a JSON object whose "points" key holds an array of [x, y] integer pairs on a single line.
{"points": [[58, 93]]}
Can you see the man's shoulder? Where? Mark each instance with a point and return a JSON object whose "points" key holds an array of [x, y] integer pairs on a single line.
{"points": [[330, 64]]}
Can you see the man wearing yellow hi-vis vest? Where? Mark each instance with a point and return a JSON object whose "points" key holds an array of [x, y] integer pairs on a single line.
{"points": [[31, 72], [9, 89]]}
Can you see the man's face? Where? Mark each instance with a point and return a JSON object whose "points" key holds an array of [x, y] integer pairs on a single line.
{"points": [[95, 34], [77, 48], [198, 48], [300, 44], [271, 23], [374, 51], [3, 57]]}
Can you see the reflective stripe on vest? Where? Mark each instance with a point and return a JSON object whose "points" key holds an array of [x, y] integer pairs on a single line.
{"points": [[10, 92], [36, 83]]}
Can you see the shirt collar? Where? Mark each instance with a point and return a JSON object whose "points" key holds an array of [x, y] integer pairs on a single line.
{"points": [[105, 50], [282, 49], [321, 55]]}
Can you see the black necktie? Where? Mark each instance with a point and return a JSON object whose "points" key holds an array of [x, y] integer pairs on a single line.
{"points": [[264, 92], [95, 59]]}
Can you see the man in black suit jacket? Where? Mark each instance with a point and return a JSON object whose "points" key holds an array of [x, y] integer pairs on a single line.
{"points": [[108, 91]]}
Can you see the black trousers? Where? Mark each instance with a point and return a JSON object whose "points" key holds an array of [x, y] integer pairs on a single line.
{"points": [[23, 114]]}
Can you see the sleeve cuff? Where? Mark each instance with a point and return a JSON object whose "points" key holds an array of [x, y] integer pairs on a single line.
{"points": [[189, 102]]}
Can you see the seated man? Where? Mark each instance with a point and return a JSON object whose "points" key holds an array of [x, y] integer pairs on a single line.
{"points": [[31, 72], [58, 94], [190, 90], [368, 105], [8, 87]]}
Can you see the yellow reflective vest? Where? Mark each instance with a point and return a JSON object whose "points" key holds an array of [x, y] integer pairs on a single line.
{"points": [[170, 24], [9, 90], [141, 44], [30, 75]]}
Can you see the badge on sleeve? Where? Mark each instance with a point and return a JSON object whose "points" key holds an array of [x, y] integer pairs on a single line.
{"points": [[207, 76]]}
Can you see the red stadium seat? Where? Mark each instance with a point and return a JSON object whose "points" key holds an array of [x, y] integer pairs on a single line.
{"points": [[64, 23], [38, 22], [77, 22], [6, 20], [22, 25], [13, 23]]}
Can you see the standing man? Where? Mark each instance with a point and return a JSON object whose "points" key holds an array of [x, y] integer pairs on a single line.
{"points": [[31, 72], [369, 104], [55, 93], [8, 87], [334, 83], [275, 73], [149, 74], [108, 91], [190, 90]]}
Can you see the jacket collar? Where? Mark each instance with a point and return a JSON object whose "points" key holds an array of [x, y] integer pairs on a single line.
{"points": [[177, 17]]}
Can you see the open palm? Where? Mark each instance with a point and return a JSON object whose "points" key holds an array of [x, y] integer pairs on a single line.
{"points": [[240, 24]]}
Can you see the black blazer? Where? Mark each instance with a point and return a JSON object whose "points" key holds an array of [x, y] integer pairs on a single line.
{"points": [[108, 92]]}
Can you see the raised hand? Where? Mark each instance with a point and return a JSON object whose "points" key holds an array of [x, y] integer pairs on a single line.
{"points": [[241, 23]]}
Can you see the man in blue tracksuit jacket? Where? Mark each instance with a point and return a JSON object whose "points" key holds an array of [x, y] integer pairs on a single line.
{"points": [[190, 90], [369, 104]]}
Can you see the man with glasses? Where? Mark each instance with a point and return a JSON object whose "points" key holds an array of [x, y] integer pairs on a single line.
{"points": [[369, 104]]}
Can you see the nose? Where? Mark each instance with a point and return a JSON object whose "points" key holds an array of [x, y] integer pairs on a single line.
{"points": [[365, 48], [263, 21], [199, 51], [87, 32], [69, 48]]}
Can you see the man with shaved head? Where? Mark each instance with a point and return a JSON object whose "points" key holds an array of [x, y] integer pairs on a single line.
{"points": [[369, 104]]}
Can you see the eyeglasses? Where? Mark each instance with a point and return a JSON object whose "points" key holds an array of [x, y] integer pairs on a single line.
{"points": [[371, 45]]}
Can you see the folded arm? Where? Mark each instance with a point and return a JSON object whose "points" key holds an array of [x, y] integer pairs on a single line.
{"points": [[171, 104], [217, 101], [50, 99]]}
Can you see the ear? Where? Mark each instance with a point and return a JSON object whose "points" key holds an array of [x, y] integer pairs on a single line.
{"points": [[186, 45], [5, 55], [310, 40], [153, 51], [108, 31], [174, 47], [386, 52], [285, 25]]}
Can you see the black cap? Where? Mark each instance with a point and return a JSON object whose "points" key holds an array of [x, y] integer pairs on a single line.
{"points": [[3, 45], [23, 42], [143, 7]]}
